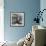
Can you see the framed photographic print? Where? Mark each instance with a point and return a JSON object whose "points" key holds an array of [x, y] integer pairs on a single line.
{"points": [[17, 19]]}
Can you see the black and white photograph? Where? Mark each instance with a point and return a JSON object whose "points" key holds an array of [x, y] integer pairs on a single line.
{"points": [[17, 19]]}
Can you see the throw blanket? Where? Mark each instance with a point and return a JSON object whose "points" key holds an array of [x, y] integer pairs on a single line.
{"points": [[26, 41]]}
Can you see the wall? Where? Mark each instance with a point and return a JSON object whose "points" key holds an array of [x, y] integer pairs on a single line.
{"points": [[43, 6], [29, 7]]}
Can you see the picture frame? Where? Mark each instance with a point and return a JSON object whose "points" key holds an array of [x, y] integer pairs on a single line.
{"points": [[17, 19]]}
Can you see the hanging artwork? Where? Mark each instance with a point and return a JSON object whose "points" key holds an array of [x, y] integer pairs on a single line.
{"points": [[17, 19]]}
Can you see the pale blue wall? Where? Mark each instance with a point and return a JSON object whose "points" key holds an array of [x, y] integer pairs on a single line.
{"points": [[29, 7], [43, 6]]}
